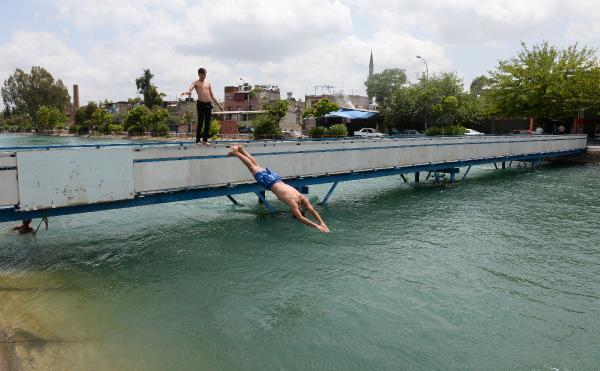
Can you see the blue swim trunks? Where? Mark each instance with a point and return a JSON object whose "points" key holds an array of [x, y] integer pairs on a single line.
{"points": [[267, 178]]}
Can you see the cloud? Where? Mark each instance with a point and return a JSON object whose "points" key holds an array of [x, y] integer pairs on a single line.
{"points": [[104, 46]]}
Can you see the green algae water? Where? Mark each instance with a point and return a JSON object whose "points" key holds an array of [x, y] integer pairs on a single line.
{"points": [[497, 272]]}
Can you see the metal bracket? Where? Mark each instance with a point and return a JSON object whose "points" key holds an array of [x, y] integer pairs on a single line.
{"points": [[263, 199], [328, 193], [234, 201], [466, 173]]}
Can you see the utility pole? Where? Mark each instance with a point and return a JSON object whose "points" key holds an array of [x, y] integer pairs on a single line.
{"points": [[426, 80]]}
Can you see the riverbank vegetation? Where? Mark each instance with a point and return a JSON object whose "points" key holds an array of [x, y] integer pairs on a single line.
{"points": [[542, 82]]}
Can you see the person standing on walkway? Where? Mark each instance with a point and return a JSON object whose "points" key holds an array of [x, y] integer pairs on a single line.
{"points": [[203, 104]]}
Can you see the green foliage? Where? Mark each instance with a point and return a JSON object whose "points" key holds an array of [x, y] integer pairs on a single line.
{"points": [[438, 100], [20, 123], [479, 84], [48, 118], [266, 126], [546, 82], [115, 129], [321, 108], [100, 120], [135, 129], [215, 128], [134, 116], [150, 92], [337, 131], [25, 93], [161, 129], [74, 129], [445, 130], [317, 132], [382, 85], [277, 109], [151, 120]]}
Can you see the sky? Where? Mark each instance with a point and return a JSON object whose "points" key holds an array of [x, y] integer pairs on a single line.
{"points": [[103, 46]]}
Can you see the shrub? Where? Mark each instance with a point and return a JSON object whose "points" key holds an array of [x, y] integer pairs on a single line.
{"points": [[446, 130], [161, 129], [74, 129], [337, 131], [317, 132], [266, 127], [115, 129], [135, 130], [214, 129]]}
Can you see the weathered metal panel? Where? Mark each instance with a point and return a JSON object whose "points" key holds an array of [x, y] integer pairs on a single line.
{"points": [[9, 189], [209, 167], [77, 176]]}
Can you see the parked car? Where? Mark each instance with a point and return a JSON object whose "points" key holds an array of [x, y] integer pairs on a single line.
{"points": [[369, 133], [472, 132]]}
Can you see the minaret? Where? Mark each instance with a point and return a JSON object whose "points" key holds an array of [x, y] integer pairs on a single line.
{"points": [[371, 65]]}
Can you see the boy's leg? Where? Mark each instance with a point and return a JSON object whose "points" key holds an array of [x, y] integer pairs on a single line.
{"points": [[241, 150], [207, 117], [200, 121], [252, 166]]}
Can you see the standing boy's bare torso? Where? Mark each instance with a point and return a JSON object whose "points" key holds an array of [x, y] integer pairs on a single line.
{"points": [[203, 90]]}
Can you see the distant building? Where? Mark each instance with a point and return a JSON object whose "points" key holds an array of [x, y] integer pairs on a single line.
{"points": [[293, 117], [121, 106], [248, 98], [342, 100]]}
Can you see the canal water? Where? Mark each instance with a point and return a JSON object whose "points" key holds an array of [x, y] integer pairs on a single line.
{"points": [[497, 272]]}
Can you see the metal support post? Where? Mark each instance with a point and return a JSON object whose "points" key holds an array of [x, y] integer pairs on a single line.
{"points": [[417, 177], [328, 193], [496, 166], [466, 172], [235, 202], [428, 175], [452, 177], [510, 163], [437, 177], [261, 197], [503, 165], [404, 178]]}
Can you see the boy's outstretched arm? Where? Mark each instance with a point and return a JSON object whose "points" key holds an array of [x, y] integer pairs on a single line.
{"points": [[302, 219], [314, 213]]}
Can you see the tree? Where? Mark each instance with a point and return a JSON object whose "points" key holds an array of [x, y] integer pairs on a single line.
{"points": [[479, 84], [547, 82], [48, 118], [150, 92], [267, 125], [25, 93], [382, 85], [134, 117], [321, 108], [100, 120]]}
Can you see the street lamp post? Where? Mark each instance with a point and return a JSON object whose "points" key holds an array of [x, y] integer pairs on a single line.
{"points": [[427, 80], [426, 66]]}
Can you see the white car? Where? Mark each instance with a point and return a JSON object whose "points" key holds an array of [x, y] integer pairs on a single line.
{"points": [[472, 132], [369, 133]]}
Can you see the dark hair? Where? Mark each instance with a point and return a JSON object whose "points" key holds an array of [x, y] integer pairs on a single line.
{"points": [[201, 70]]}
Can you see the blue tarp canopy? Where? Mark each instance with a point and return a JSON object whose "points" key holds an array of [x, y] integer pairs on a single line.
{"points": [[351, 114]]}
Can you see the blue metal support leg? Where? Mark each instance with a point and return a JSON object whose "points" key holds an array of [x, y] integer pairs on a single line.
{"points": [[235, 202], [525, 164], [452, 177], [437, 177], [263, 199], [329, 193], [503, 165], [428, 175], [417, 177], [466, 173], [404, 178], [496, 166]]}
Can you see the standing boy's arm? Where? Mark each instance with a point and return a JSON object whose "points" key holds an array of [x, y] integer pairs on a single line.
{"points": [[189, 91], [213, 97]]}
